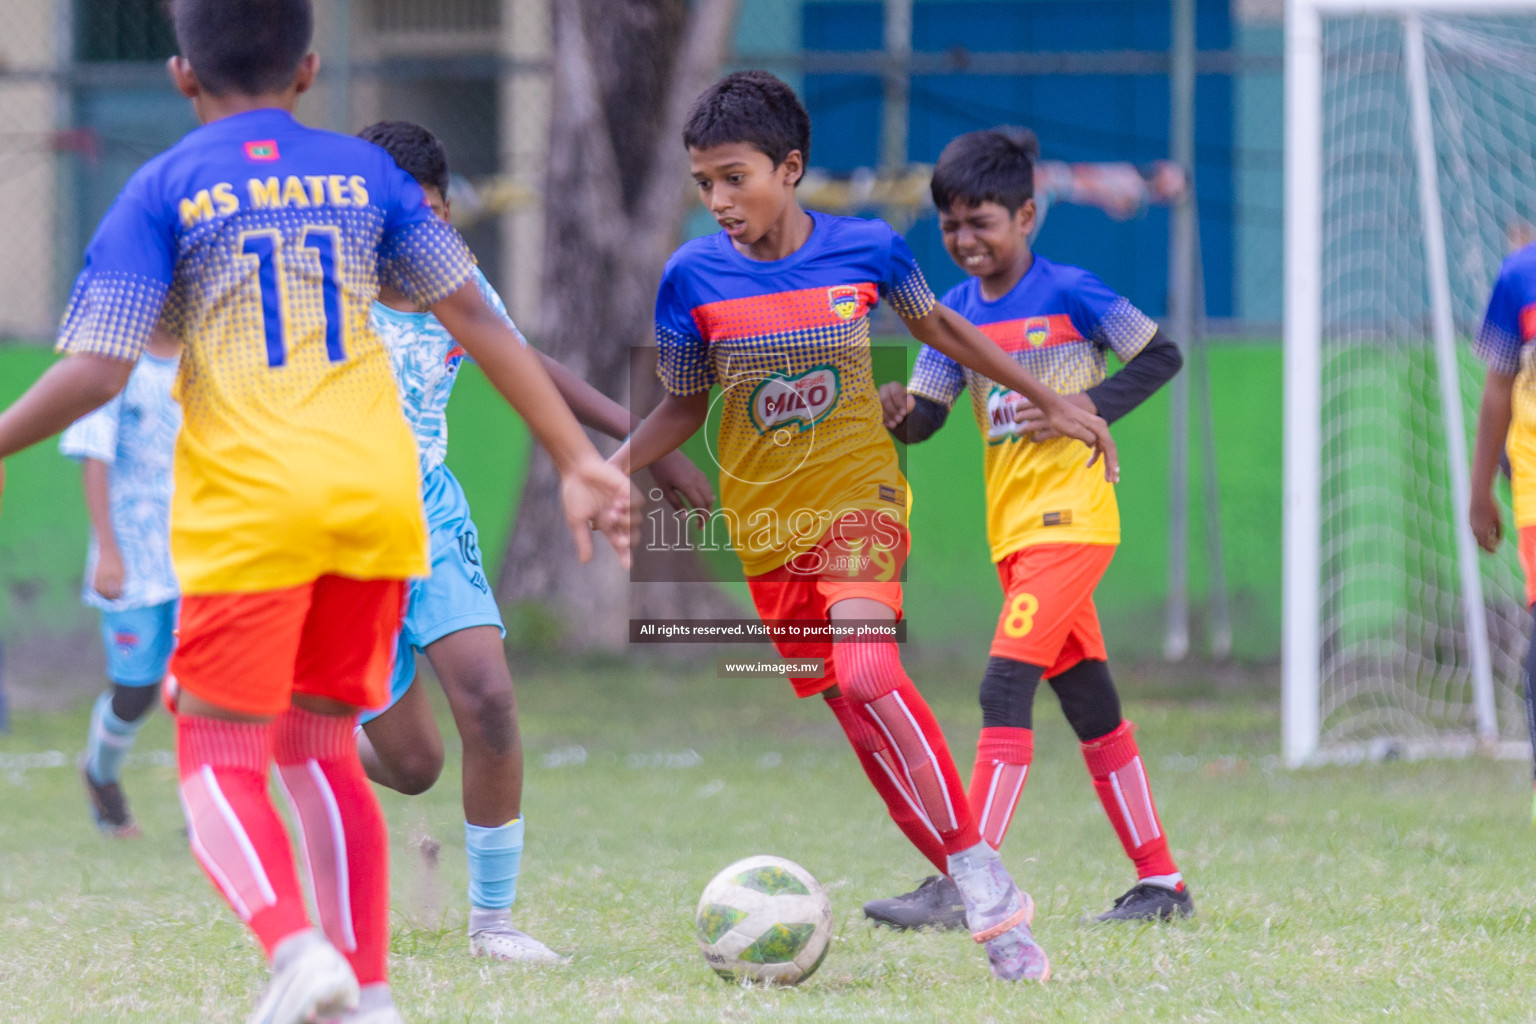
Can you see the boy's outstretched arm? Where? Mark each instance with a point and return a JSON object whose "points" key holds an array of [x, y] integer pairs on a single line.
{"points": [[1492, 427], [672, 422], [1119, 393], [682, 482], [952, 334], [592, 491], [68, 390]]}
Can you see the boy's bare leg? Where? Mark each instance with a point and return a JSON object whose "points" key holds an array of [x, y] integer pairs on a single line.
{"points": [[472, 666], [402, 748]]}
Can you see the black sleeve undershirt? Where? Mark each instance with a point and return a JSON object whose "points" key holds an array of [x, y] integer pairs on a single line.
{"points": [[1147, 371], [926, 417]]}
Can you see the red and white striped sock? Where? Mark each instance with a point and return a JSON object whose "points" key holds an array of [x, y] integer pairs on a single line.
{"points": [[880, 764], [346, 853], [1121, 782], [234, 830], [871, 675], [1003, 756]]}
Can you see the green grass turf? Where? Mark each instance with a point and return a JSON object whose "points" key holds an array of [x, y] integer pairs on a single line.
{"points": [[1396, 891]]}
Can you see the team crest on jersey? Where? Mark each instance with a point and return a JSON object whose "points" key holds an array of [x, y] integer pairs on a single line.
{"points": [[454, 357], [1001, 425], [125, 642], [1037, 331], [802, 401], [845, 300]]}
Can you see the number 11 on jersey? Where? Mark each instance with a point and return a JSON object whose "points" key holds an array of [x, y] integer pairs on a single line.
{"points": [[266, 246]]}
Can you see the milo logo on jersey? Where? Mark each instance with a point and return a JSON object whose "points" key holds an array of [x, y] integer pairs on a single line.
{"points": [[1001, 425], [802, 401]]}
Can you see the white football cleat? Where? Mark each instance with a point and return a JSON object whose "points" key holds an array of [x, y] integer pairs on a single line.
{"points": [[314, 983], [507, 944]]}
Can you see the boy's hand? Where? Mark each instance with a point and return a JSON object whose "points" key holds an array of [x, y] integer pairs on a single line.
{"points": [[1072, 416], [1036, 425], [109, 574], [895, 403], [1487, 524], [597, 496], [682, 483]]}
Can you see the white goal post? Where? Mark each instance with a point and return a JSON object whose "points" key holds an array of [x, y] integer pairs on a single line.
{"points": [[1410, 168]]}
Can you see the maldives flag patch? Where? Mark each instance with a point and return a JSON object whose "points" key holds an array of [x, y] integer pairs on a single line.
{"points": [[262, 151]]}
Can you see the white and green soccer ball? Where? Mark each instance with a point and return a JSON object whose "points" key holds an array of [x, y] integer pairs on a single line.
{"points": [[764, 919]]}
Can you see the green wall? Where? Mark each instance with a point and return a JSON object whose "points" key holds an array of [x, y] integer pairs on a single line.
{"points": [[42, 523], [952, 594]]}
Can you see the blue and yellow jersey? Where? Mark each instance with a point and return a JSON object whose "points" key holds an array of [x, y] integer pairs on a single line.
{"points": [[264, 243], [1057, 323], [801, 439], [1504, 343]]}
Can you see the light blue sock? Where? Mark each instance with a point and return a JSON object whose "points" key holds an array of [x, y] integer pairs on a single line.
{"points": [[494, 857], [110, 740]]}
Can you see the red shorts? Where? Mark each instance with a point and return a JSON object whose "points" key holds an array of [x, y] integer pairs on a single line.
{"points": [[1527, 547], [1048, 618], [808, 586], [251, 653]]}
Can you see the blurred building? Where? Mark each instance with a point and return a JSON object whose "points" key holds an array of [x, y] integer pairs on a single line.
{"points": [[84, 99]]}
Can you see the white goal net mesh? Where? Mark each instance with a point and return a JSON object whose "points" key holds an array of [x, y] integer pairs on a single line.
{"points": [[1395, 666]]}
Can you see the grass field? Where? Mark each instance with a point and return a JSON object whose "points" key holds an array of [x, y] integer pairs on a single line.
{"points": [[1392, 892]]}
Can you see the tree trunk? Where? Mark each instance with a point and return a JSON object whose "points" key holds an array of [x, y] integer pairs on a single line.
{"points": [[625, 72]]}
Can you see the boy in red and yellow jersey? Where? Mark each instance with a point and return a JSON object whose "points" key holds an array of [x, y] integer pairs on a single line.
{"points": [[1053, 526], [1506, 422], [774, 309], [297, 517]]}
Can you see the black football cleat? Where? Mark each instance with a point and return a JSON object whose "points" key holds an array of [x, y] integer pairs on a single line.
{"points": [[1150, 903], [935, 903], [109, 808]]}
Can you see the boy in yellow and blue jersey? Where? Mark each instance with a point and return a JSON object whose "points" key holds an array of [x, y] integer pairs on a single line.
{"points": [[1506, 424], [297, 515], [775, 309], [1053, 526]]}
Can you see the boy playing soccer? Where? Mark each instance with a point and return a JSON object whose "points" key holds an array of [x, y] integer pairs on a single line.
{"points": [[1507, 422], [775, 309], [124, 449], [452, 616], [1053, 526], [297, 515]]}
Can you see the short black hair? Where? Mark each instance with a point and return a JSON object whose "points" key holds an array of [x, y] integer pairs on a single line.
{"points": [[244, 47], [416, 150], [992, 166], [752, 107]]}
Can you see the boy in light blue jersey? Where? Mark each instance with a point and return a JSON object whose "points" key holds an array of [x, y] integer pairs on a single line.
{"points": [[125, 451], [452, 616]]}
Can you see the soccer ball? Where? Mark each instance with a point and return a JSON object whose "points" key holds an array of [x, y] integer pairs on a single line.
{"points": [[764, 919]]}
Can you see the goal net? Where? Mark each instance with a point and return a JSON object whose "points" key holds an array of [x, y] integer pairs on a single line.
{"points": [[1411, 173]]}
